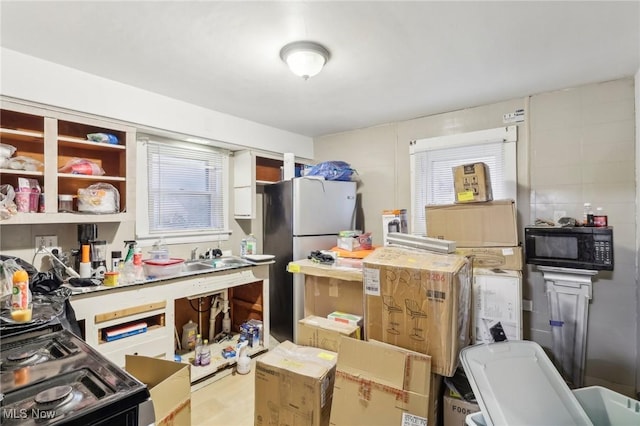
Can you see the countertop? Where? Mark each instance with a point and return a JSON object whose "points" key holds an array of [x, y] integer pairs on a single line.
{"points": [[308, 267], [180, 276]]}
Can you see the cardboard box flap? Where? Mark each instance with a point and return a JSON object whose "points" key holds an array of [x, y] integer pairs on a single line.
{"points": [[303, 360], [329, 324], [169, 383], [405, 258], [385, 364]]}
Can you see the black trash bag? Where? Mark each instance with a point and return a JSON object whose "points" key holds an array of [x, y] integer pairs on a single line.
{"points": [[44, 282]]}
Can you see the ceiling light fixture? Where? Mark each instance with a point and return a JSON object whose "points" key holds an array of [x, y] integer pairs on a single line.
{"points": [[304, 58]]}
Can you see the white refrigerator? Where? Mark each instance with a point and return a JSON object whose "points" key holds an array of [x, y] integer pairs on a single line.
{"points": [[300, 215]]}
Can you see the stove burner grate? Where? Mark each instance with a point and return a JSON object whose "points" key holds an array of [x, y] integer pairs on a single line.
{"points": [[56, 396]]}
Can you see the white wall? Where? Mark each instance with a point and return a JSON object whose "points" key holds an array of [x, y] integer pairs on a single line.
{"points": [[29, 78]]}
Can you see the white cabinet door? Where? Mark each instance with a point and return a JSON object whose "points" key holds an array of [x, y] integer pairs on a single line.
{"points": [[244, 185]]}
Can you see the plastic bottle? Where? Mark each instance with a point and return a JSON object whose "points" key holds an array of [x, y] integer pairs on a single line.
{"points": [[587, 219], [137, 265], [21, 297], [116, 258], [252, 245], [189, 332], [243, 362], [205, 353], [600, 219], [243, 247], [198, 352]]}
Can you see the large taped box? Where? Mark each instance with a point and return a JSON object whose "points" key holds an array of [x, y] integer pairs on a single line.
{"points": [[324, 333], [496, 305], [169, 383], [490, 224], [380, 384], [294, 386], [420, 301], [505, 258], [472, 183]]}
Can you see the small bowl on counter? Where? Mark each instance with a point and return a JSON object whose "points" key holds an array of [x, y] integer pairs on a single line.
{"points": [[162, 268]]}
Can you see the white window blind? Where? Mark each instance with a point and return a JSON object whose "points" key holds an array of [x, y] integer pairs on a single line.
{"points": [[433, 159], [185, 190]]}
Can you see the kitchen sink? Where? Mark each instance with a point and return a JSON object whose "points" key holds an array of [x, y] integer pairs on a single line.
{"points": [[218, 264]]}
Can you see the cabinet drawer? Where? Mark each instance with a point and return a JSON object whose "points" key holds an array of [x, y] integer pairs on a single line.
{"points": [[155, 343]]}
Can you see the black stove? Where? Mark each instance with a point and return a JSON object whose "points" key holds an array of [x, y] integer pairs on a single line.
{"points": [[58, 379]]}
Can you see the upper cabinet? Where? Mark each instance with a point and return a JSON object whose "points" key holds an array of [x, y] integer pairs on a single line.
{"points": [[52, 139], [251, 168]]}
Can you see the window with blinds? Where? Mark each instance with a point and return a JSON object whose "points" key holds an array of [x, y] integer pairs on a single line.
{"points": [[185, 189], [432, 162]]}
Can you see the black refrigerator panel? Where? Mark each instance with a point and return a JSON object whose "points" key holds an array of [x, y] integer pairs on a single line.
{"points": [[278, 240]]}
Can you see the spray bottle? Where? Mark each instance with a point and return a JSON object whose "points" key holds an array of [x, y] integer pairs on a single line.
{"points": [[243, 362]]}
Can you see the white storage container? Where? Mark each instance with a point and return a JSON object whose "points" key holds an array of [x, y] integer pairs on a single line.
{"points": [[515, 383], [603, 406]]}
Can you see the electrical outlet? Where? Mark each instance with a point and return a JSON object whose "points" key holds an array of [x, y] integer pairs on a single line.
{"points": [[50, 242], [527, 305]]}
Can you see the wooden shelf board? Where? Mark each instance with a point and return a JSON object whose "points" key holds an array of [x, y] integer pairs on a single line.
{"points": [[91, 177], [75, 142], [20, 172], [22, 135]]}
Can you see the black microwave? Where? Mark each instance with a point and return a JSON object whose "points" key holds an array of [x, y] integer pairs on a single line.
{"points": [[570, 247]]}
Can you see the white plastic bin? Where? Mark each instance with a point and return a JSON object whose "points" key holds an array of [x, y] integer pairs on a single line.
{"points": [[603, 406]]}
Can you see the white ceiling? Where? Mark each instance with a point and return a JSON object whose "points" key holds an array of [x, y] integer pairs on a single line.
{"points": [[390, 61]]}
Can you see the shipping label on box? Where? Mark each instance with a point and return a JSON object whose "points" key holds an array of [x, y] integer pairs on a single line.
{"points": [[294, 386], [496, 306], [394, 221], [324, 333], [381, 384], [419, 301], [456, 410], [506, 258], [490, 224], [472, 183]]}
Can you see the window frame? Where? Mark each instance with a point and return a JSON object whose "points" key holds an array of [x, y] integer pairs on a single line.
{"points": [[507, 135], [142, 230]]}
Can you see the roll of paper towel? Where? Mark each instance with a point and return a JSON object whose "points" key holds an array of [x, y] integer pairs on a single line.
{"points": [[289, 166]]}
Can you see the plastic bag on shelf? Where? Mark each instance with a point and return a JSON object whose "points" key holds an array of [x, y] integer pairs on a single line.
{"points": [[22, 162], [8, 206], [6, 150], [81, 166], [103, 138], [332, 170], [99, 198]]}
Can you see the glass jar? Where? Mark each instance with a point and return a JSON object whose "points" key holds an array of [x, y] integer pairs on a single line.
{"points": [[65, 203]]}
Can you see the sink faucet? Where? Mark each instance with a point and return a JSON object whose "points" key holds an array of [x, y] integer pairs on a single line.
{"points": [[194, 253]]}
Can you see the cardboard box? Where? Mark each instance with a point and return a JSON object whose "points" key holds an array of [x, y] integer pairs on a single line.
{"points": [[456, 410], [491, 224], [419, 301], [380, 384], [497, 305], [507, 258], [324, 333], [394, 221], [323, 295], [472, 183], [169, 384], [294, 386]]}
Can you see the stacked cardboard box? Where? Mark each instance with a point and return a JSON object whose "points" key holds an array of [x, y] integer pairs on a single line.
{"points": [[294, 386], [419, 301], [472, 183], [324, 333]]}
